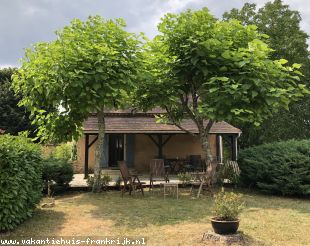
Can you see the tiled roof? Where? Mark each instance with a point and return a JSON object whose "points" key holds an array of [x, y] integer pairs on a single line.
{"points": [[124, 123]]}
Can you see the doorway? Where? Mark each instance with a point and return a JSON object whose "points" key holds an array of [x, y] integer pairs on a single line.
{"points": [[116, 149]]}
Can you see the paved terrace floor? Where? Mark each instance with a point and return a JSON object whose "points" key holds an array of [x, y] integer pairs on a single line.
{"points": [[79, 181]]}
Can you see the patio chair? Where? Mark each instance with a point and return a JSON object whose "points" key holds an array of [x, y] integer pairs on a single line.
{"points": [[194, 164], [158, 172], [235, 166], [205, 180], [131, 181]]}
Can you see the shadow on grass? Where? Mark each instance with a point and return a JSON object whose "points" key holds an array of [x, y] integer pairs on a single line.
{"points": [[138, 211], [256, 201], [42, 223]]}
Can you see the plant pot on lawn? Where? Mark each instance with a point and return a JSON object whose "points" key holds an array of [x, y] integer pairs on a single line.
{"points": [[227, 207], [224, 227]]}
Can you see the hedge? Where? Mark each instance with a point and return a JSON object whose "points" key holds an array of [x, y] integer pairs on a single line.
{"points": [[277, 168], [20, 180]]}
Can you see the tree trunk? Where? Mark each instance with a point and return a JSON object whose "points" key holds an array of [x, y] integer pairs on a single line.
{"points": [[206, 151], [99, 152]]}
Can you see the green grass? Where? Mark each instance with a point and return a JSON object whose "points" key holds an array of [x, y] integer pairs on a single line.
{"points": [[267, 220]]}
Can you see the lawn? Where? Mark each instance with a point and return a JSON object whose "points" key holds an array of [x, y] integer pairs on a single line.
{"points": [[267, 220]]}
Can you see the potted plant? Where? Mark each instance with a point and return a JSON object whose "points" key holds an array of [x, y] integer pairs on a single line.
{"points": [[227, 207]]}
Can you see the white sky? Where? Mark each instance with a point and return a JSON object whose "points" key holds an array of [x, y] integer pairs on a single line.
{"points": [[24, 22]]}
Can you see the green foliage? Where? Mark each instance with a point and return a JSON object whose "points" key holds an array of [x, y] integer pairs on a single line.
{"points": [[185, 178], [103, 182], [59, 171], [89, 67], [226, 172], [288, 41], [227, 205], [277, 168], [118, 181], [13, 119], [20, 180]]}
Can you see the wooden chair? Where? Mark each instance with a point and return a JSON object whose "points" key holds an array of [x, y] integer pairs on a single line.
{"points": [[131, 181], [235, 166], [158, 172], [205, 179]]}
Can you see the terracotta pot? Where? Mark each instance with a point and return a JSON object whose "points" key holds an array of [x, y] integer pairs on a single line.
{"points": [[224, 227]]}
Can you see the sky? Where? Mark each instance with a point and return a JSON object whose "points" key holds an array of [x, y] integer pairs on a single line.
{"points": [[25, 22]]}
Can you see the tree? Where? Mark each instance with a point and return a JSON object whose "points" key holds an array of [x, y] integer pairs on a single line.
{"points": [[88, 68], [288, 41], [208, 71], [13, 119]]}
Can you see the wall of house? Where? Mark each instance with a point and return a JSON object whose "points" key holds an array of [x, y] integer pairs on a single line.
{"points": [[179, 146]]}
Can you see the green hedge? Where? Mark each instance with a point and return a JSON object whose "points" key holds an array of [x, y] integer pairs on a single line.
{"points": [[277, 168], [20, 180]]}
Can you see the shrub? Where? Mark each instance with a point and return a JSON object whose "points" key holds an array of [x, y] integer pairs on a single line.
{"points": [[227, 206], [277, 168], [227, 172], [60, 171], [185, 178], [20, 180], [103, 182]]}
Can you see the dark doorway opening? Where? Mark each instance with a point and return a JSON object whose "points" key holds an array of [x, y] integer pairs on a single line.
{"points": [[116, 149]]}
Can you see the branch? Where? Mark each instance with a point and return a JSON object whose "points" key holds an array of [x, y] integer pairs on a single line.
{"points": [[174, 122], [209, 125]]}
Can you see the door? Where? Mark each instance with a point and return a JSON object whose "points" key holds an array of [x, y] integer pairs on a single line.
{"points": [[116, 149]]}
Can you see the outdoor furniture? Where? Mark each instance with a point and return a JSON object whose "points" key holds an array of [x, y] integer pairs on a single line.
{"points": [[177, 165], [166, 187], [204, 179], [194, 164], [131, 181], [235, 166], [157, 171]]}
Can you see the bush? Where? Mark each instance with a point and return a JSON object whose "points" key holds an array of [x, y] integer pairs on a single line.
{"points": [[60, 171], [277, 168], [20, 180], [227, 173], [185, 178], [103, 182], [227, 206]]}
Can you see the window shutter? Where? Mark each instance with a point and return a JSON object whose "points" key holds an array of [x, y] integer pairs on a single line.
{"points": [[130, 144], [105, 162]]}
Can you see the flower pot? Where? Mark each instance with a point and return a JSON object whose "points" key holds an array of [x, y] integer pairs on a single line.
{"points": [[224, 227]]}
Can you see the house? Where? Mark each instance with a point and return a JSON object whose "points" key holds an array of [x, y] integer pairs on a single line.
{"points": [[137, 138]]}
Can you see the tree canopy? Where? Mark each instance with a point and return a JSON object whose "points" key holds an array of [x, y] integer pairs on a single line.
{"points": [[87, 68], [288, 41], [204, 69]]}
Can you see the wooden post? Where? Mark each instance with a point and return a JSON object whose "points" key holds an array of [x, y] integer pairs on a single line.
{"points": [[220, 149], [86, 156], [160, 146], [234, 148]]}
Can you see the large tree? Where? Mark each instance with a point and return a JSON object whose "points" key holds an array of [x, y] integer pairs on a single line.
{"points": [[288, 41], [87, 69], [208, 70], [13, 119]]}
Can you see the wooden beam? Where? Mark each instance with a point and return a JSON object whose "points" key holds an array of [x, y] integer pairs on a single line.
{"points": [[168, 138], [86, 156], [153, 139], [95, 139], [160, 145]]}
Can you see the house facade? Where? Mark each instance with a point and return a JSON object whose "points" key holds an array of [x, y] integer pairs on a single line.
{"points": [[136, 138]]}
